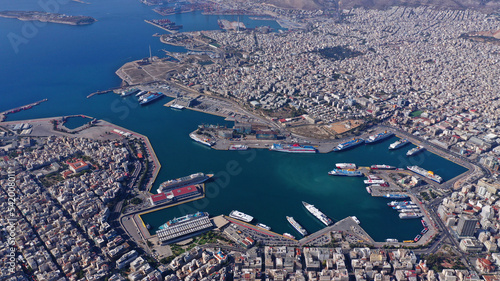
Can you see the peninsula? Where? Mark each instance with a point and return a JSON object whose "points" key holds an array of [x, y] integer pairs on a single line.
{"points": [[47, 17]]}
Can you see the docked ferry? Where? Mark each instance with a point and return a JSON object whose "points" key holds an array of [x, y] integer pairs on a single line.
{"points": [[405, 216], [379, 137], [297, 226], [150, 98], [348, 173], [428, 174], [294, 148], [129, 92], [317, 213], [399, 144], [415, 151], [382, 167], [238, 147], [261, 225], [396, 196], [349, 144], [240, 216], [202, 139], [374, 181], [345, 166]]}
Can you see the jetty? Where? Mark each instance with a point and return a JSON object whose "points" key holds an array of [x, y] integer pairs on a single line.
{"points": [[17, 109]]}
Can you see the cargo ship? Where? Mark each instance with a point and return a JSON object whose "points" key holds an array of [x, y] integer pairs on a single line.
{"points": [[379, 137], [349, 144], [348, 173], [297, 226], [261, 225], [398, 144], [382, 167], [182, 219], [129, 92], [294, 148], [317, 213], [405, 216], [423, 172], [240, 216], [150, 98], [415, 151], [396, 196], [238, 147], [345, 166], [201, 139], [184, 181]]}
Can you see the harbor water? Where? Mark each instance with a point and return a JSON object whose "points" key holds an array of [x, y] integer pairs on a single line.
{"points": [[66, 63]]}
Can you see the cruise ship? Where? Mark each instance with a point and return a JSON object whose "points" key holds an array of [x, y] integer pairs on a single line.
{"points": [[261, 225], [382, 167], [202, 139], [405, 216], [349, 144], [348, 173], [294, 148], [399, 144], [297, 226], [185, 218], [240, 216], [379, 137], [396, 196], [317, 213], [150, 98], [345, 166], [415, 150], [184, 181], [238, 147], [423, 172]]}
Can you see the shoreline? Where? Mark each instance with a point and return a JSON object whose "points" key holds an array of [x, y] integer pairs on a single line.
{"points": [[43, 128]]}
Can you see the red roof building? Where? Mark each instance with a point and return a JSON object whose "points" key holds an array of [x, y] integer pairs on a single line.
{"points": [[78, 166], [157, 199]]}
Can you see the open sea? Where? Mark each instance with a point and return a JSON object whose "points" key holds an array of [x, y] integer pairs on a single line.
{"points": [[66, 63]]}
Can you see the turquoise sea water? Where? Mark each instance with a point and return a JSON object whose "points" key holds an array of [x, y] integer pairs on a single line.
{"points": [[66, 63]]}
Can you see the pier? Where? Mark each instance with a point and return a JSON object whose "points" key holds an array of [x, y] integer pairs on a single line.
{"points": [[102, 92], [17, 109]]}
